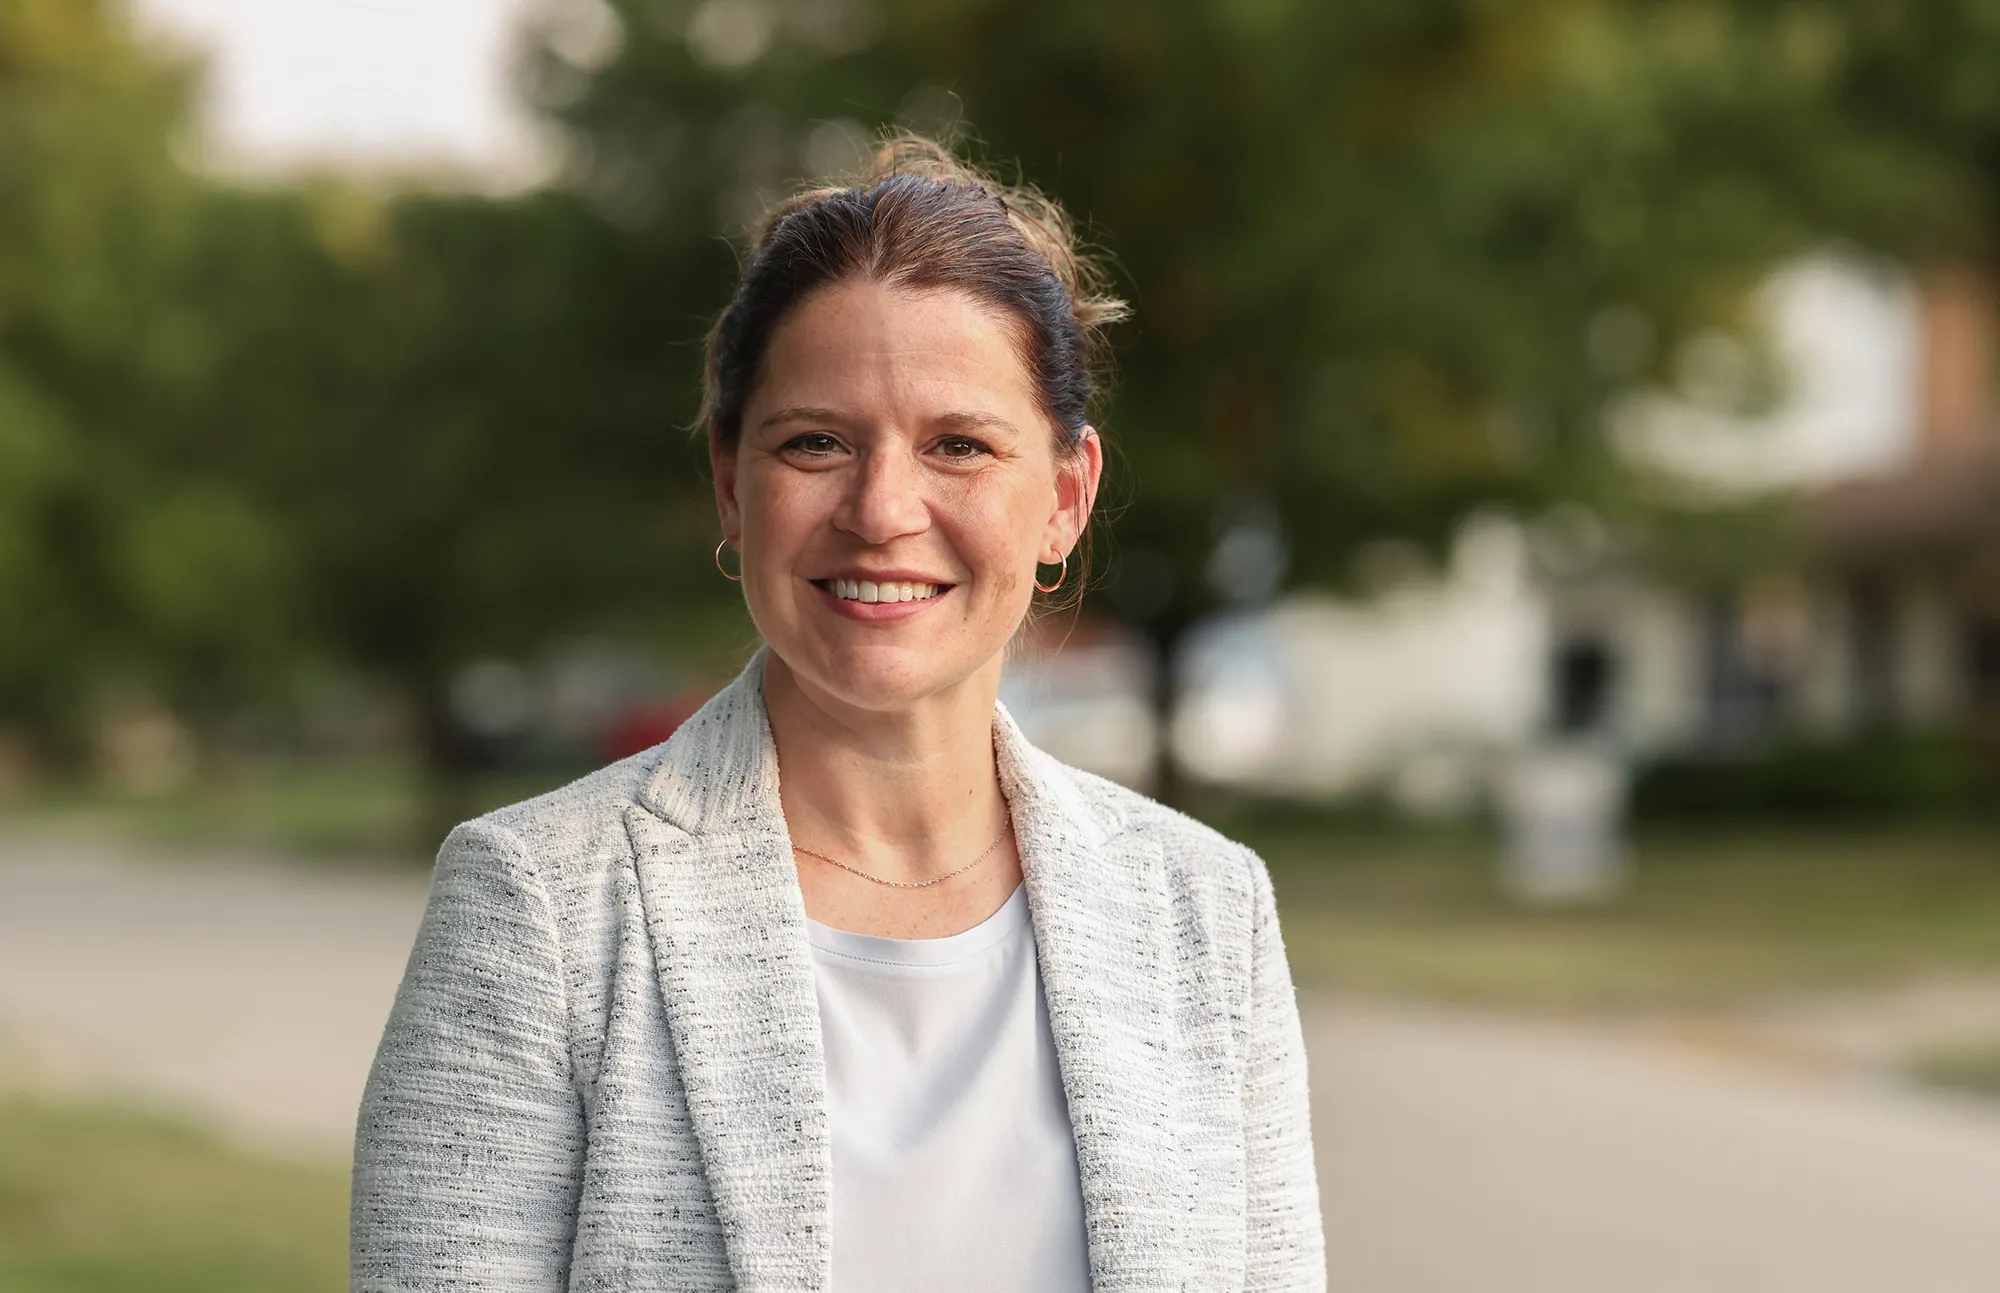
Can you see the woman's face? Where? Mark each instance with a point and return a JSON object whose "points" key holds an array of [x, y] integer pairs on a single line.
{"points": [[893, 487]]}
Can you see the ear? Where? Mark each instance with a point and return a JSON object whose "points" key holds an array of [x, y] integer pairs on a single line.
{"points": [[1077, 477], [722, 469]]}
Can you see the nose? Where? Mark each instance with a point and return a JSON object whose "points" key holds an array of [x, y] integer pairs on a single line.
{"points": [[885, 499]]}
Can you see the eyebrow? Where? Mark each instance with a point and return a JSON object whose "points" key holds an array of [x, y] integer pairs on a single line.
{"points": [[960, 420], [804, 413], [973, 421]]}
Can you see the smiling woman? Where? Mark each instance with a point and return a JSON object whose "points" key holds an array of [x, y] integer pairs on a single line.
{"points": [[897, 440], [929, 1010]]}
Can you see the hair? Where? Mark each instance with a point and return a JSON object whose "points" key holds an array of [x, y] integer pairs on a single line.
{"points": [[919, 217]]}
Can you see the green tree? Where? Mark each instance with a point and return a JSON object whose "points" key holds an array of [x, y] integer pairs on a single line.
{"points": [[465, 431], [119, 561], [1369, 244]]}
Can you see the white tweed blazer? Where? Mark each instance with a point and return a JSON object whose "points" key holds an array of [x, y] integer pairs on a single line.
{"points": [[603, 1069]]}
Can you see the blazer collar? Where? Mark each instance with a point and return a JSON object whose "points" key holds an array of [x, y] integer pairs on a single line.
{"points": [[723, 908], [720, 770]]}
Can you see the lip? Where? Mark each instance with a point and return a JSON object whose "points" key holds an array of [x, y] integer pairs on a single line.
{"points": [[881, 576], [881, 612]]}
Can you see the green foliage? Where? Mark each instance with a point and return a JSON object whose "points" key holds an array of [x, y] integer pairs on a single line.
{"points": [[1972, 1067], [1366, 243], [118, 558], [1711, 917], [1879, 776], [341, 812], [244, 429], [1390, 260], [465, 433]]}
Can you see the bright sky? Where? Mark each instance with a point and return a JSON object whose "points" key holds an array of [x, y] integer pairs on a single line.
{"points": [[396, 84]]}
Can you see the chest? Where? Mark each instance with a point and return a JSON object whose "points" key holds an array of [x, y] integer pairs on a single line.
{"points": [[953, 1160], [717, 1097]]}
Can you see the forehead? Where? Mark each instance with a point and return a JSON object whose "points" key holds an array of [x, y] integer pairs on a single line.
{"points": [[884, 350]]}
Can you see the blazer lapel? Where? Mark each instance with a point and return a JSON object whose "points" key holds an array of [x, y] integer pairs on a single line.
{"points": [[727, 922], [1100, 910], [723, 909]]}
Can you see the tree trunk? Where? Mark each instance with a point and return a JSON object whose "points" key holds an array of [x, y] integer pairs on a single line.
{"points": [[1167, 633]]}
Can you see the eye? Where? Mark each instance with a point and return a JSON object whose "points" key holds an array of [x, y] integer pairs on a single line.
{"points": [[958, 448], [812, 444]]}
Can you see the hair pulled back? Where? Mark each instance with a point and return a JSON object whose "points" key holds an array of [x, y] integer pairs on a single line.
{"points": [[919, 217]]}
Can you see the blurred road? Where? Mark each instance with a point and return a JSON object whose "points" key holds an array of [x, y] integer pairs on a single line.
{"points": [[248, 994], [1457, 1152], [1463, 1153]]}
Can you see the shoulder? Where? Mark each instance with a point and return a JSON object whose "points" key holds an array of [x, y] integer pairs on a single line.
{"points": [[1190, 852], [574, 819], [566, 848], [1205, 895]]}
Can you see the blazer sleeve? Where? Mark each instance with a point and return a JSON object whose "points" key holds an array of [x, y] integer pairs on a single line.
{"points": [[1286, 1248], [468, 1154]]}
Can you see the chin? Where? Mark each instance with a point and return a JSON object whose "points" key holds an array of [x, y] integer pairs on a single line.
{"points": [[879, 677]]}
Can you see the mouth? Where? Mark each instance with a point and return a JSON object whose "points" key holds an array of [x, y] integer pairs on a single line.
{"points": [[876, 592]]}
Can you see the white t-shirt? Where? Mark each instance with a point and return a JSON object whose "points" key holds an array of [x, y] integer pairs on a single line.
{"points": [[953, 1162]]}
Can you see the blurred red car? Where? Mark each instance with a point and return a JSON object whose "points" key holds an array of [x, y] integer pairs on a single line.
{"points": [[645, 725]]}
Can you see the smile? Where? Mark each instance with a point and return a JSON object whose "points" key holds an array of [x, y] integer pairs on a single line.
{"points": [[871, 591]]}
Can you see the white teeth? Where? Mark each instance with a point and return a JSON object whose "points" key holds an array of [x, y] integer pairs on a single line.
{"points": [[888, 590]]}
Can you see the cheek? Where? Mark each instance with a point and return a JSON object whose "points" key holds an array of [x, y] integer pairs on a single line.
{"points": [[777, 507], [1005, 528], [1010, 582]]}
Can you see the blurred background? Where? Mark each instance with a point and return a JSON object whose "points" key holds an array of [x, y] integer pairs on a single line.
{"points": [[1555, 518]]}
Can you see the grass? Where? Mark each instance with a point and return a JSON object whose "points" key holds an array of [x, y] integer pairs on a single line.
{"points": [[1709, 918], [97, 1199], [357, 809], [1972, 1067]]}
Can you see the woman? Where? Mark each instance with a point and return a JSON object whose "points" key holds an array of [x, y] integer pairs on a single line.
{"points": [[928, 1011]]}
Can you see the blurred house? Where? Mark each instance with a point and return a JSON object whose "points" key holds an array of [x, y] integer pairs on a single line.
{"points": [[1886, 617], [1910, 559], [1410, 693], [1888, 621], [1717, 664]]}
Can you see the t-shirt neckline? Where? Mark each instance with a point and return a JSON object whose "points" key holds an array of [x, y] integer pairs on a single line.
{"points": [[950, 949]]}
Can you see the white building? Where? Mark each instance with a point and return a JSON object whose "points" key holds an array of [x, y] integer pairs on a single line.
{"points": [[1890, 617]]}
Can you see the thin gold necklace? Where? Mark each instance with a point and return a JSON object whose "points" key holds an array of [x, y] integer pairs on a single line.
{"points": [[911, 884]]}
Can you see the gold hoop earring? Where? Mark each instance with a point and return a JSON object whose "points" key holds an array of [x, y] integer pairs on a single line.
{"points": [[734, 579], [1059, 578]]}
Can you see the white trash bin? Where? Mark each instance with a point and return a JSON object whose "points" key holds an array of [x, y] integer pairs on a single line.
{"points": [[1562, 807]]}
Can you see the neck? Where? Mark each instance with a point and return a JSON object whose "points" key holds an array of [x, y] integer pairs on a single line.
{"points": [[907, 794]]}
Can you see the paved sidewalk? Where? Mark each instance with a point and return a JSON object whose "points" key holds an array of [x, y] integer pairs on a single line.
{"points": [[248, 995], [1458, 1153], [1461, 1154]]}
